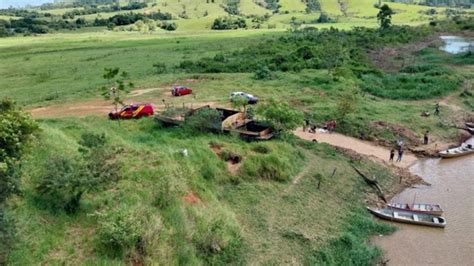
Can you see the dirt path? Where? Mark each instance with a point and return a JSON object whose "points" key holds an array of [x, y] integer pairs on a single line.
{"points": [[97, 108], [362, 147]]}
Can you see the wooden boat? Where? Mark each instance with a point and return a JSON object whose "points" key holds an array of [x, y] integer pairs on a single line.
{"points": [[434, 209], [408, 217], [456, 152]]}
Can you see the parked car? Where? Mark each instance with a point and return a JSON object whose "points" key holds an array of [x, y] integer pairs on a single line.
{"points": [[250, 98], [181, 90], [132, 111]]}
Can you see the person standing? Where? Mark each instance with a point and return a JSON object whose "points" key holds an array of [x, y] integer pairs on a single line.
{"points": [[436, 109], [400, 154], [392, 154], [425, 138]]}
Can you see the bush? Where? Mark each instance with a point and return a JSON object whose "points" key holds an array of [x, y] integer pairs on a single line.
{"points": [[228, 23], [263, 72], [63, 179], [118, 231], [204, 120]]}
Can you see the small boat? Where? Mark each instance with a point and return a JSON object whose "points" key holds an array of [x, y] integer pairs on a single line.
{"points": [[456, 152], [471, 130], [408, 217], [434, 209]]}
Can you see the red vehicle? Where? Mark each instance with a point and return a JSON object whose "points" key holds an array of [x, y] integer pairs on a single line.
{"points": [[132, 111], [181, 90]]}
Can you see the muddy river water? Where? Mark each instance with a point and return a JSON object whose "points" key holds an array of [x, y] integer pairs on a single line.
{"points": [[452, 186]]}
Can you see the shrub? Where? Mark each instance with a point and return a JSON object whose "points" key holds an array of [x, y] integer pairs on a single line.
{"points": [[263, 72], [280, 115], [118, 231], [204, 120], [160, 68], [228, 23], [63, 179]]}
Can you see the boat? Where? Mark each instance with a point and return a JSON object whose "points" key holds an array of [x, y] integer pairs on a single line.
{"points": [[456, 152], [409, 217], [423, 208], [470, 129]]}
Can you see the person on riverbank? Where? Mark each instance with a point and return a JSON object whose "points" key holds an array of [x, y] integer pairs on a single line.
{"points": [[436, 109], [392, 154], [306, 125], [400, 154], [425, 138]]}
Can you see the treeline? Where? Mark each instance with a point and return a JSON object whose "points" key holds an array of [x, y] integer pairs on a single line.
{"points": [[452, 3], [344, 54], [88, 10], [33, 25], [88, 3]]}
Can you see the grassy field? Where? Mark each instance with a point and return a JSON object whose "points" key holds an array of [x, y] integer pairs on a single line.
{"points": [[274, 221], [200, 209]]}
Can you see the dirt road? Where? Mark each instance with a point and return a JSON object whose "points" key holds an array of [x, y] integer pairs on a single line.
{"points": [[362, 147]]}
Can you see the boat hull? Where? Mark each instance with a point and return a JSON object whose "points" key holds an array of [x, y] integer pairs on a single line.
{"points": [[455, 153], [417, 208], [403, 217]]}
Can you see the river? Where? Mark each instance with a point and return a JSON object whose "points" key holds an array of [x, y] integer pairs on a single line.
{"points": [[452, 186]]}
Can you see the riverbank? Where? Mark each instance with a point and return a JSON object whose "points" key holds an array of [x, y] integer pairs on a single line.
{"points": [[452, 186]]}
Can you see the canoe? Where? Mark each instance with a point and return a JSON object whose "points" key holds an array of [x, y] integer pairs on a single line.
{"points": [[409, 217], [456, 152], [422, 208]]}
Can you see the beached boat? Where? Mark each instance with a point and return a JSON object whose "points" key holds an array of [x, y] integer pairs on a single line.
{"points": [[408, 217], [471, 130], [423, 208], [464, 149]]}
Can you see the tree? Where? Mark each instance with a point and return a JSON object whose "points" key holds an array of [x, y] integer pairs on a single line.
{"points": [[117, 82], [334, 56], [280, 115], [64, 179], [385, 17], [240, 103]]}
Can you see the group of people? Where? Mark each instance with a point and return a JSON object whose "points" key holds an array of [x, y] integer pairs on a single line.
{"points": [[330, 126], [399, 148]]}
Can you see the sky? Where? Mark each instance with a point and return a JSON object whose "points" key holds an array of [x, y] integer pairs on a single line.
{"points": [[22, 3]]}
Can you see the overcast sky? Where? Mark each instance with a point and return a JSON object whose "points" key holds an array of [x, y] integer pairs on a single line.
{"points": [[22, 3]]}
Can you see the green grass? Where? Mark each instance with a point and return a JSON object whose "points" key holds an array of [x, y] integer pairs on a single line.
{"points": [[255, 219]]}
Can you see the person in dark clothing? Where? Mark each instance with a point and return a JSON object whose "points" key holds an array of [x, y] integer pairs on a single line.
{"points": [[312, 129], [436, 109], [392, 154], [425, 138], [400, 154], [306, 125]]}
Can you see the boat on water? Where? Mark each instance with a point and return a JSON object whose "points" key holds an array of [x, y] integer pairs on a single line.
{"points": [[409, 217], [464, 149], [422, 208]]}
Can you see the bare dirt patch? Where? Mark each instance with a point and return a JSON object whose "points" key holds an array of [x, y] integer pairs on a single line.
{"points": [[192, 198]]}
